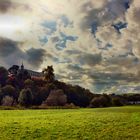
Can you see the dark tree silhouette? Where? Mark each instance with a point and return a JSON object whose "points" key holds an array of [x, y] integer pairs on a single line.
{"points": [[7, 101], [56, 98], [14, 69], [9, 90], [25, 97], [49, 74], [28, 83], [117, 101], [3, 76]]}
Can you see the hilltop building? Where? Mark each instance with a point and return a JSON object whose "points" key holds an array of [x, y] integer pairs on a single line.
{"points": [[23, 73]]}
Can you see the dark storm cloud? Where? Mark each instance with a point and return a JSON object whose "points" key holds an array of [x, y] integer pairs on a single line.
{"points": [[7, 47], [123, 61], [5, 5], [108, 13], [55, 39], [36, 56], [73, 52], [10, 53], [75, 68], [101, 77], [89, 59]]}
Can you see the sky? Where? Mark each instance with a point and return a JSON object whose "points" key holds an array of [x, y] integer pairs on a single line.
{"points": [[94, 44]]}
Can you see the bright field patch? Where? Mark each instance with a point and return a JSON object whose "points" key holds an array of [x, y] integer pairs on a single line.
{"points": [[122, 123]]}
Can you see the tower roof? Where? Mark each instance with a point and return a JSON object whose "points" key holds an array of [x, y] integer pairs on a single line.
{"points": [[22, 66]]}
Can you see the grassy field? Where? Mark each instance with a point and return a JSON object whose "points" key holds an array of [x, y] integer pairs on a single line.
{"points": [[120, 123]]}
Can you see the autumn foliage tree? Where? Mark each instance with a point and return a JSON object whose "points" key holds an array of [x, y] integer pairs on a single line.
{"points": [[28, 83], [49, 74], [56, 98], [25, 97], [7, 101]]}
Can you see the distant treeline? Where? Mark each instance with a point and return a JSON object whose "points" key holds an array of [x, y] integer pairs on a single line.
{"points": [[18, 88]]}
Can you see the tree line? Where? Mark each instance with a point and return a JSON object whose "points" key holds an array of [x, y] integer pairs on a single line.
{"points": [[20, 89]]}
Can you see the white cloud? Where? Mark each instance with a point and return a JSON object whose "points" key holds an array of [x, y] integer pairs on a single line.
{"points": [[75, 18]]}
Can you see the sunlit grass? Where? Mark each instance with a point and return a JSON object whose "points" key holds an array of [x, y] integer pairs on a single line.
{"points": [[118, 123]]}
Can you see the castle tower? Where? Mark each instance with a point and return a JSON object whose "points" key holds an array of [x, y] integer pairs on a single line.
{"points": [[22, 67]]}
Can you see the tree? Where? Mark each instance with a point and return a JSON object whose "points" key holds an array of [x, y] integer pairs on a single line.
{"points": [[56, 98], [77, 95], [14, 69], [10, 91], [28, 83], [49, 74], [42, 93], [25, 97], [7, 101], [108, 101], [95, 102], [100, 101], [3, 76], [116, 101], [1, 95]]}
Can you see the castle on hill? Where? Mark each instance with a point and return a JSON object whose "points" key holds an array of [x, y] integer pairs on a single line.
{"points": [[23, 73]]}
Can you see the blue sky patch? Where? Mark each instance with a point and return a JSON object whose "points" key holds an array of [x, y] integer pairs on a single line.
{"points": [[66, 21], [94, 28], [127, 4], [43, 40], [61, 44], [120, 25], [51, 25], [106, 47]]}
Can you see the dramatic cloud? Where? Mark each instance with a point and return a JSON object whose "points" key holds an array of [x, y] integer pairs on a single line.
{"points": [[107, 13], [11, 53], [95, 44], [7, 47], [5, 5], [89, 59], [35, 56]]}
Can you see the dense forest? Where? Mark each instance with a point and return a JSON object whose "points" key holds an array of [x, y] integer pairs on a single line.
{"points": [[19, 88]]}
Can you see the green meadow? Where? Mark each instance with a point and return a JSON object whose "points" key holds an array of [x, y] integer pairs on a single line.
{"points": [[116, 123]]}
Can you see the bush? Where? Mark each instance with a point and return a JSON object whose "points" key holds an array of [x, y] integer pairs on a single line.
{"points": [[28, 83], [41, 94], [8, 108], [7, 101], [3, 76], [116, 101], [25, 97], [56, 98], [1, 95], [100, 101], [9, 91], [70, 106], [77, 95]]}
